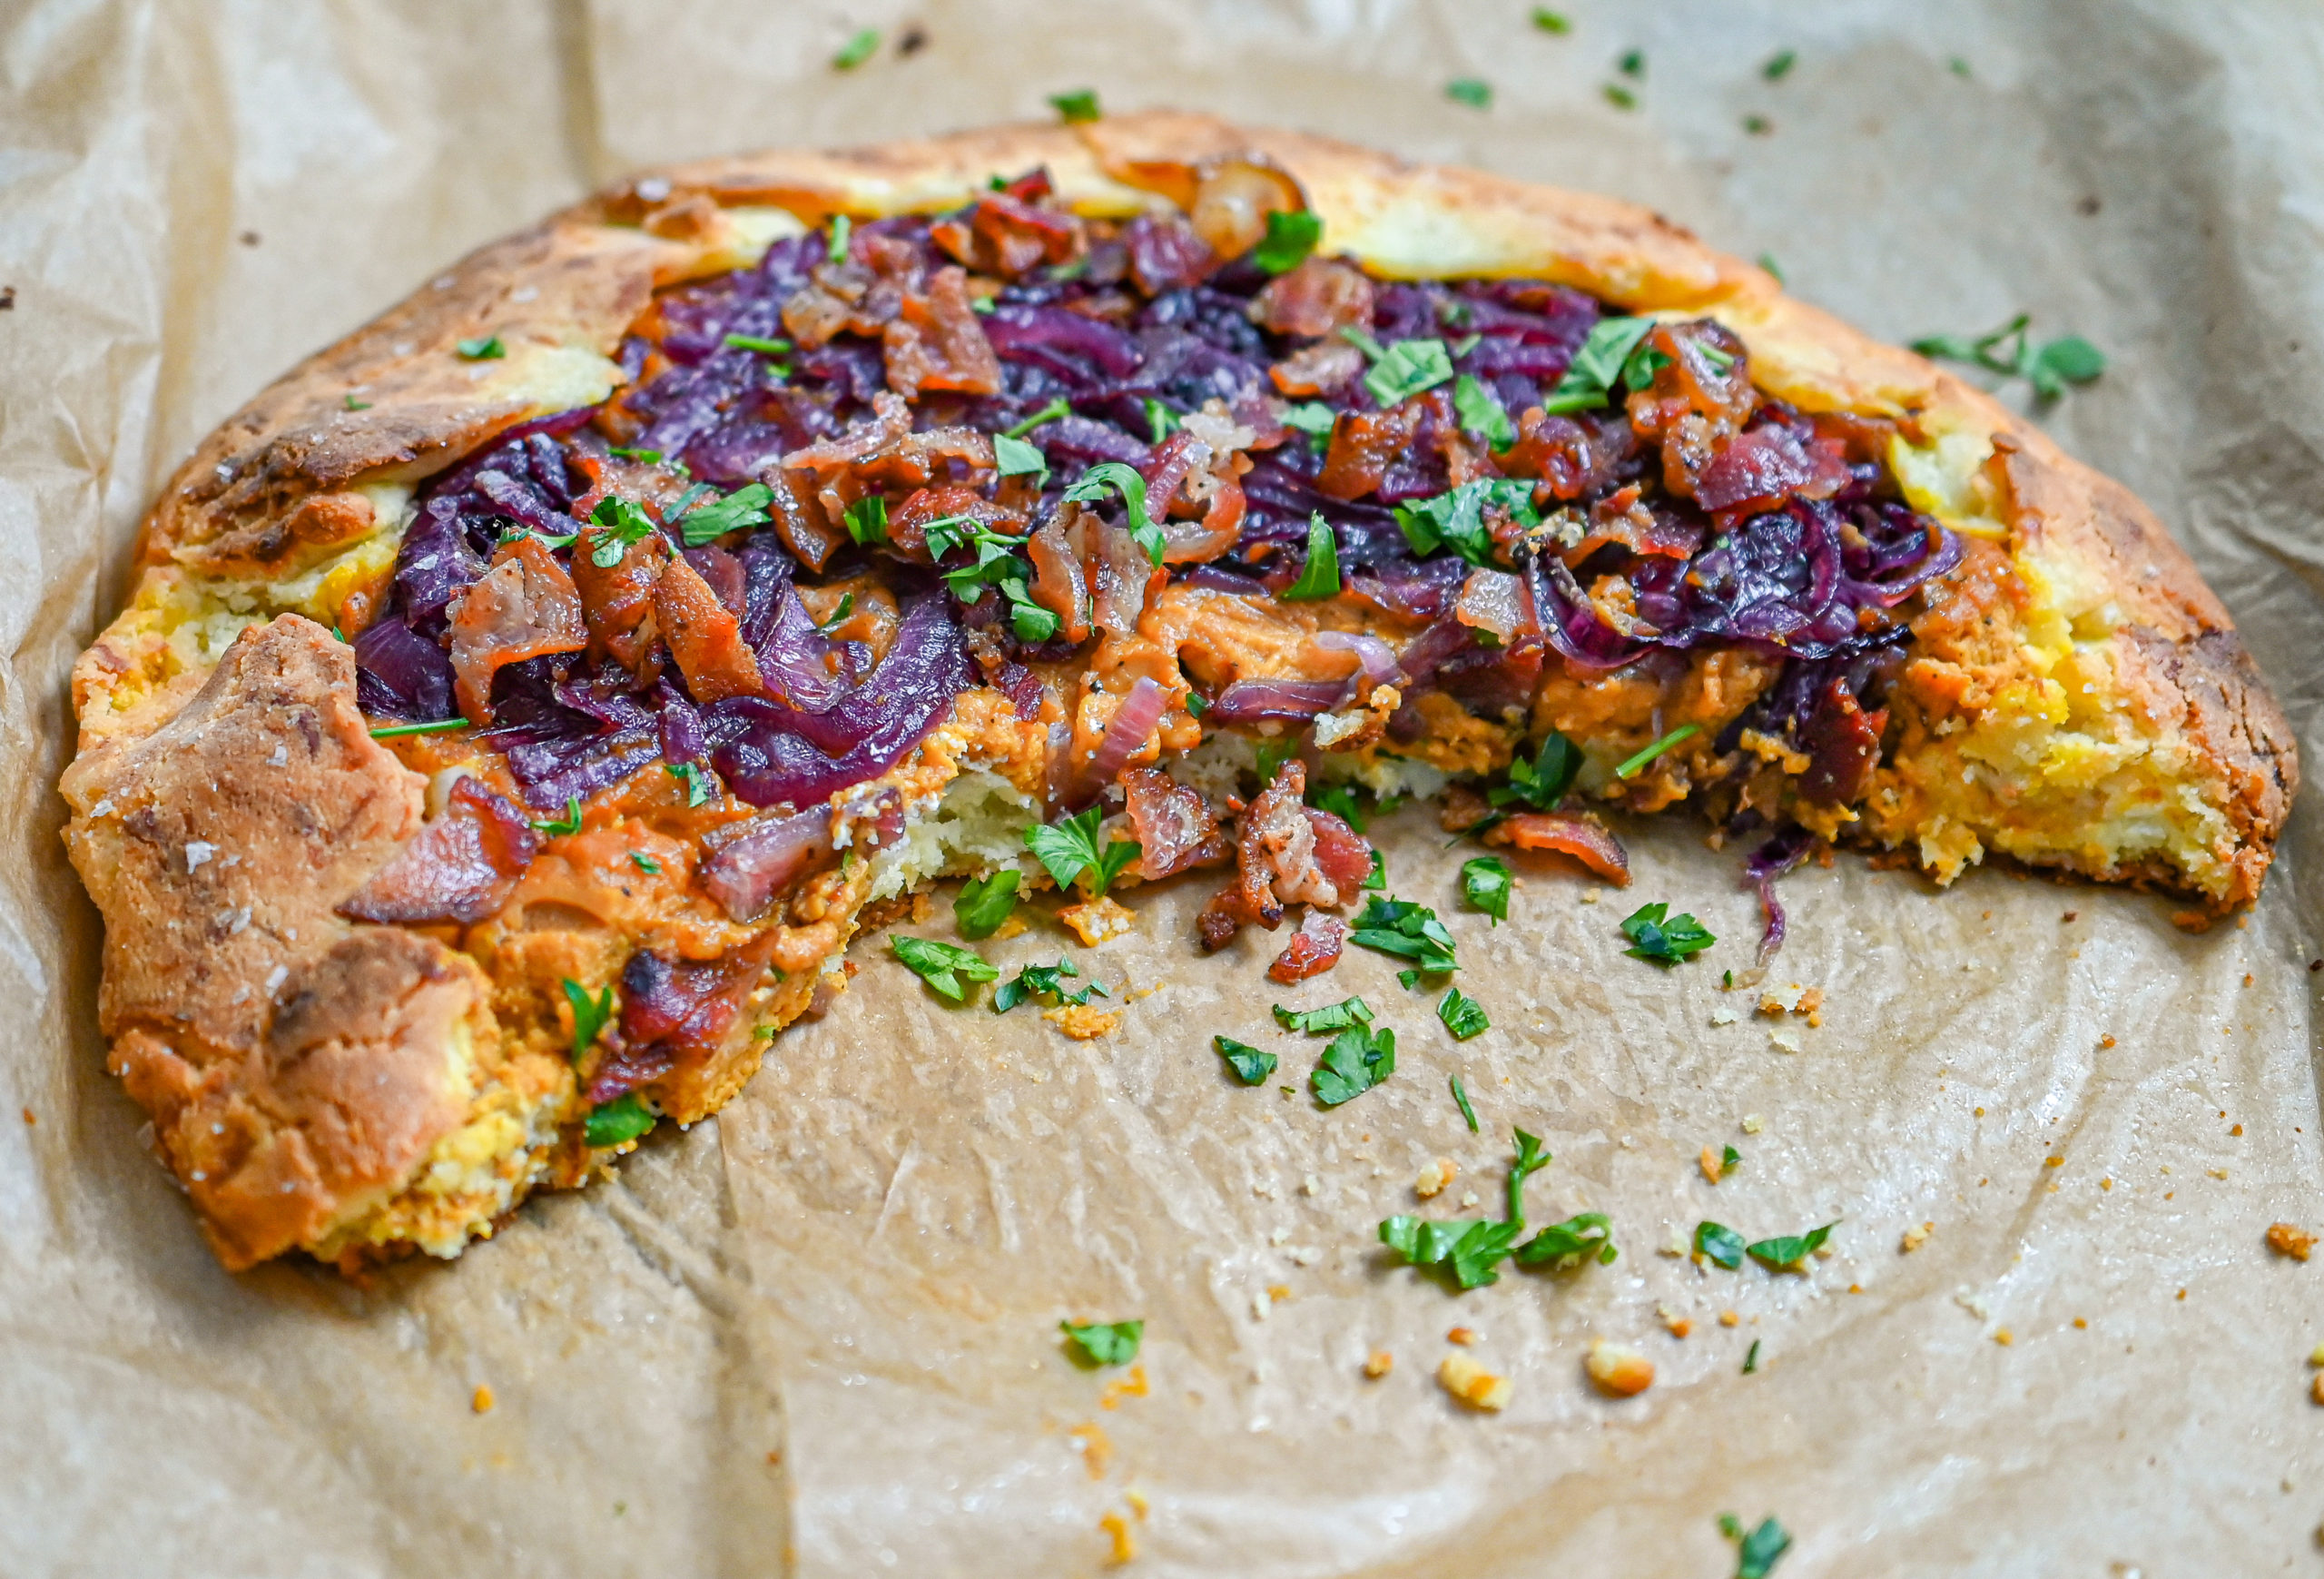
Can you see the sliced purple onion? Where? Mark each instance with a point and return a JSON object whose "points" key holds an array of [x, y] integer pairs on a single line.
{"points": [[1132, 722]]}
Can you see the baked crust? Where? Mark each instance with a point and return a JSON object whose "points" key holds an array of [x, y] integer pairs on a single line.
{"points": [[238, 999]]}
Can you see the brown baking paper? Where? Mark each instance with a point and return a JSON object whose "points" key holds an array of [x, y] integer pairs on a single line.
{"points": [[818, 1336]]}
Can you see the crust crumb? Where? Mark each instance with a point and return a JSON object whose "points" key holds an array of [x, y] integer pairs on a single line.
{"points": [[1623, 1372], [1083, 1022], [2290, 1240], [1463, 1336], [482, 1401], [1124, 1550], [1915, 1238], [1474, 1385], [1380, 1364], [1435, 1177], [1677, 1325], [1095, 920]]}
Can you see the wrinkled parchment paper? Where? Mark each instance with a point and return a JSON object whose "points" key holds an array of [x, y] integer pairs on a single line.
{"points": [[818, 1336]]}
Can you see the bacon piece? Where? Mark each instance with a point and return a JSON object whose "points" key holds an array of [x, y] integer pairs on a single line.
{"points": [[1220, 529], [617, 600], [1285, 853], [460, 867], [750, 861], [1120, 574], [1325, 368], [935, 342], [883, 454], [1694, 404], [1173, 823], [1842, 746], [804, 530], [1573, 459], [1314, 949], [1058, 584], [1762, 469], [1320, 297], [1364, 444], [1623, 518], [523, 608], [705, 636], [676, 1011], [1007, 234], [861, 294], [908, 522], [1576, 833], [1341, 855]]}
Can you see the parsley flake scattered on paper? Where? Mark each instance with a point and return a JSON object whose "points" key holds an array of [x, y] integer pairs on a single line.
{"points": [[1471, 1251], [484, 348], [1751, 1359], [617, 1122], [1331, 1019], [1292, 234], [706, 523], [1548, 21], [698, 783], [1105, 1343], [1474, 92], [1779, 64], [1320, 577], [1462, 1015], [1485, 883], [1755, 1553], [1251, 1065], [1767, 261], [984, 902], [1789, 1249], [1461, 1100], [2048, 366], [1718, 1243], [570, 823], [1378, 882], [1069, 849], [1408, 931], [859, 48], [1091, 487], [1358, 1059], [1043, 982], [1081, 104], [943, 966], [352, 404], [1632, 63], [1729, 1160], [1620, 97], [1655, 934], [589, 1014]]}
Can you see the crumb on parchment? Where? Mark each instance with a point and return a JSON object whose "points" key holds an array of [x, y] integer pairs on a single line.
{"points": [[481, 1401], [1083, 1022], [1095, 920], [1474, 1385], [2290, 1240], [1915, 1238], [1463, 1336], [1623, 1372], [1677, 1325], [1124, 1550], [1436, 1177], [1379, 1363]]}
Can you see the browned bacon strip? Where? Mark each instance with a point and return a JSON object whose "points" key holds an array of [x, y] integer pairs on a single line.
{"points": [[524, 607], [461, 867]]}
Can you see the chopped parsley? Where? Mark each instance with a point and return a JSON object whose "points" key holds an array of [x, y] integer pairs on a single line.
{"points": [[1341, 801], [644, 457], [1059, 407], [1251, 1065], [1015, 457], [441, 725], [1752, 1358], [2048, 366], [1292, 234], [1632, 766], [943, 966], [1160, 421], [1069, 848], [646, 864], [839, 615], [484, 348], [1462, 1015], [1343, 1015], [1358, 1059], [1667, 940], [1598, 364], [859, 48], [1474, 92], [1320, 577], [1112, 474], [1378, 882], [835, 248], [1105, 1343], [1620, 97], [568, 823], [1582, 1237], [1408, 931], [589, 1014], [622, 523], [706, 523], [1313, 418], [1456, 518], [1081, 104], [1632, 63], [984, 902], [1779, 64], [1767, 261], [1469, 1252], [1403, 370], [1543, 783], [1957, 66], [352, 404], [1730, 1159], [1757, 1550], [867, 519], [1485, 882], [1480, 411], [996, 565], [757, 342], [1461, 1100], [1272, 755], [1790, 1250], [1719, 1243], [1043, 982], [698, 783], [617, 1122], [1548, 21]]}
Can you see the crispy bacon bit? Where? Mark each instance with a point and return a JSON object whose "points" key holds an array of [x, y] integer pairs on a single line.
{"points": [[1314, 949], [1571, 459], [1005, 234], [1233, 196], [861, 294], [705, 636], [1325, 368], [1320, 297], [1120, 574], [1058, 584], [1761, 469], [884, 455], [1173, 824], [805, 530], [748, 861], [1285, 853], [1695, 405], [1341, 855], [617, 601], [1494, 601], [908, 522], [524, 607], [676, 1011], [935, 342], [1576, 833], [1842, 746], [1622, 518], [460, 867], [1364, 444]]}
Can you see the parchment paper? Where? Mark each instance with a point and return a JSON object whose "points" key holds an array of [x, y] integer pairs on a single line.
{"points": [[818, 1335]]}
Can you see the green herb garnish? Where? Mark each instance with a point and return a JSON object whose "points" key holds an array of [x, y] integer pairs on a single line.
{"points": [[698, 783], [1456, 518], [1474, 92], [1091, 487], [1313, 418], [1358, 1059], [1105, 1343], [2049, 366], [352, 404], [1081, 104], [1403, 370], [943, 966], [1756, 1552], [441, 725], [646, 864], [1729, 1160], [867, 519], [1767, 261], [859, 48], [1633, 766], [842, 230], [1292, 234], [1160, 421], [984, 902], [1548, 21], [623, 523], [1719, 1243], [1461, 1100], [589, 1014], [1462, 1015], [1620, 97], [1252, 1065], [1779, 64], [1480, 411], [996, 565], [568, 823], [1485, 883], [645, 457], [1752, 1358], [1408, 931], [1377, 882], [1655, 934], [483, 350], [1043, 982], [1320, 577], [1343, 1015], [706, 523], [1059, 407], [1069, 848], [617, 1122], [1591, 378], [1016, 457], [757, 342], [839, 615], [1790, 1250], [1470, 1252]]}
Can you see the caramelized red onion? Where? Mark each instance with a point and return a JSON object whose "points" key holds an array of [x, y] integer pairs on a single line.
{"points": [[751, 862], [1125, 734]]}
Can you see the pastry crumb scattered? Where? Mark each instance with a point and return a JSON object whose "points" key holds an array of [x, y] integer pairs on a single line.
{"points": [[1753, 1123], [481, 1401], [1435, 1177], [2290, 1240], [1095, 920], [1623, 1372], [1463, 1336], [1379, 1363], [1677, 1325], [1915, 1238], [1083, 1022], [1474, 1385]]}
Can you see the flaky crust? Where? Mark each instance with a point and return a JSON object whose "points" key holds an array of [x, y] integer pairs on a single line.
{"points": [[237, 998]]}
